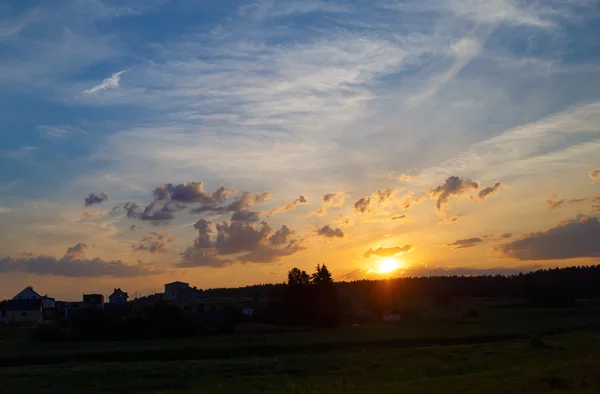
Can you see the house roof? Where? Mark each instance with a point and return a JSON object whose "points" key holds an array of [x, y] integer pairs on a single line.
{"points": [[176, 283], [23, 305], [28, 289], [118, 292]]}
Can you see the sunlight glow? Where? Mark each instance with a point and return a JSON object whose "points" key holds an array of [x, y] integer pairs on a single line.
{"points": [[387, 265]]}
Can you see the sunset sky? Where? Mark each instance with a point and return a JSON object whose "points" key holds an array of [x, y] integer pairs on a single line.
{"points": [[452, 136]]}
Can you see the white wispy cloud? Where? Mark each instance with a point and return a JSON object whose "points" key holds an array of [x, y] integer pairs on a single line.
{"points": [[111, 82]]}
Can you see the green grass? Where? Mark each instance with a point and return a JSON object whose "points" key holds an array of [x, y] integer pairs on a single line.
{"points": [[565, 362], [435, 325]]}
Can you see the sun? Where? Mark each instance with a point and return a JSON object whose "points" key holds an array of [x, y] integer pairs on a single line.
{"points": [[388, 265]]}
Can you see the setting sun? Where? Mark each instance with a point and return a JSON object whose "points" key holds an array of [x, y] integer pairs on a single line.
{"points": [[387, 265]]}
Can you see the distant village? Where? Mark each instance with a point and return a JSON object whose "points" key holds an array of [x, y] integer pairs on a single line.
{"points": [[30, 308]]}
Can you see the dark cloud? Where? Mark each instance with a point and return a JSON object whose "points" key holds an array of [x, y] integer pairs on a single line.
{"points": [[281, 236], [506, 235], [465, 243], [330, 232], [191, 192], [553, 203], [579, 237], [155, 242], [95, 199], [251, 242], [576, 200], [488, 191], [595, 174], [386, 252], [596, 204], [288, 207], [71, 265], [75, 252], [242, 202], [247, 200], [132, 227], [246, 216], [330, 200], [398, 217], [370, 204], [454, 186]]}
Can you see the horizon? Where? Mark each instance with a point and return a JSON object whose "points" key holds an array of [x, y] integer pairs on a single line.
{"points": [[225, 144]]}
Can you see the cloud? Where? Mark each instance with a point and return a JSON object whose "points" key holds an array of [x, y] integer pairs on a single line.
{"points": [[409, 200], [594, 174], [506, 235], [344, 221], [111, 82], [330, 232], [94, 199], [74, 266], [86, 216], [553, 203], [155, 242], [246, 216], [58, 132], [288, 207], [398, 217], [405, 177], [454, 186], [371, 204], [191, 192], [488, 191], [465, 243], [578, 237], [239, 241], [75, 252], [330, 200], [386, 252], [596, 204], [452, 220]]}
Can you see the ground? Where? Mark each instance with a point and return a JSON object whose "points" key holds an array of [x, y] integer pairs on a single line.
{"points": [[500, 351]]}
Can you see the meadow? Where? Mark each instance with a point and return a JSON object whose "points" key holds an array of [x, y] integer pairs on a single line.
{"points": [[501, 349]]}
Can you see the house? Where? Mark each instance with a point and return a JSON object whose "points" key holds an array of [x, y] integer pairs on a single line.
{"points": [[182, 293], [118, 297], [25, 311], [93, 301], [29, 294]]}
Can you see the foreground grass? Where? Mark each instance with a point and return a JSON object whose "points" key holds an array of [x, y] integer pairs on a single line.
{"points": [[562, 362], [435, 327]]}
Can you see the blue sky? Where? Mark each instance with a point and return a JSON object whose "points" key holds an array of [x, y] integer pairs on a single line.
{"points": [[292, 98]]}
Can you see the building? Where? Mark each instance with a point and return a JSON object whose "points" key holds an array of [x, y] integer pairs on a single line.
{"points": [[25, 311], [118, 297], [29, 294], [93, 301], [182, 293]]}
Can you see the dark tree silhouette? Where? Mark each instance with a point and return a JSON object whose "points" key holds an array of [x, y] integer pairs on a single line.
{"points": [[321, 275], [296, 277]]}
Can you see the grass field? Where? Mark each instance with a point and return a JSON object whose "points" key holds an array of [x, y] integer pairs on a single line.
{"points": [[562, 362], [444, 351]]}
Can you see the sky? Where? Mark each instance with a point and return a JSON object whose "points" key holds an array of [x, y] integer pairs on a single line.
{"points": [[223, 143]]}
